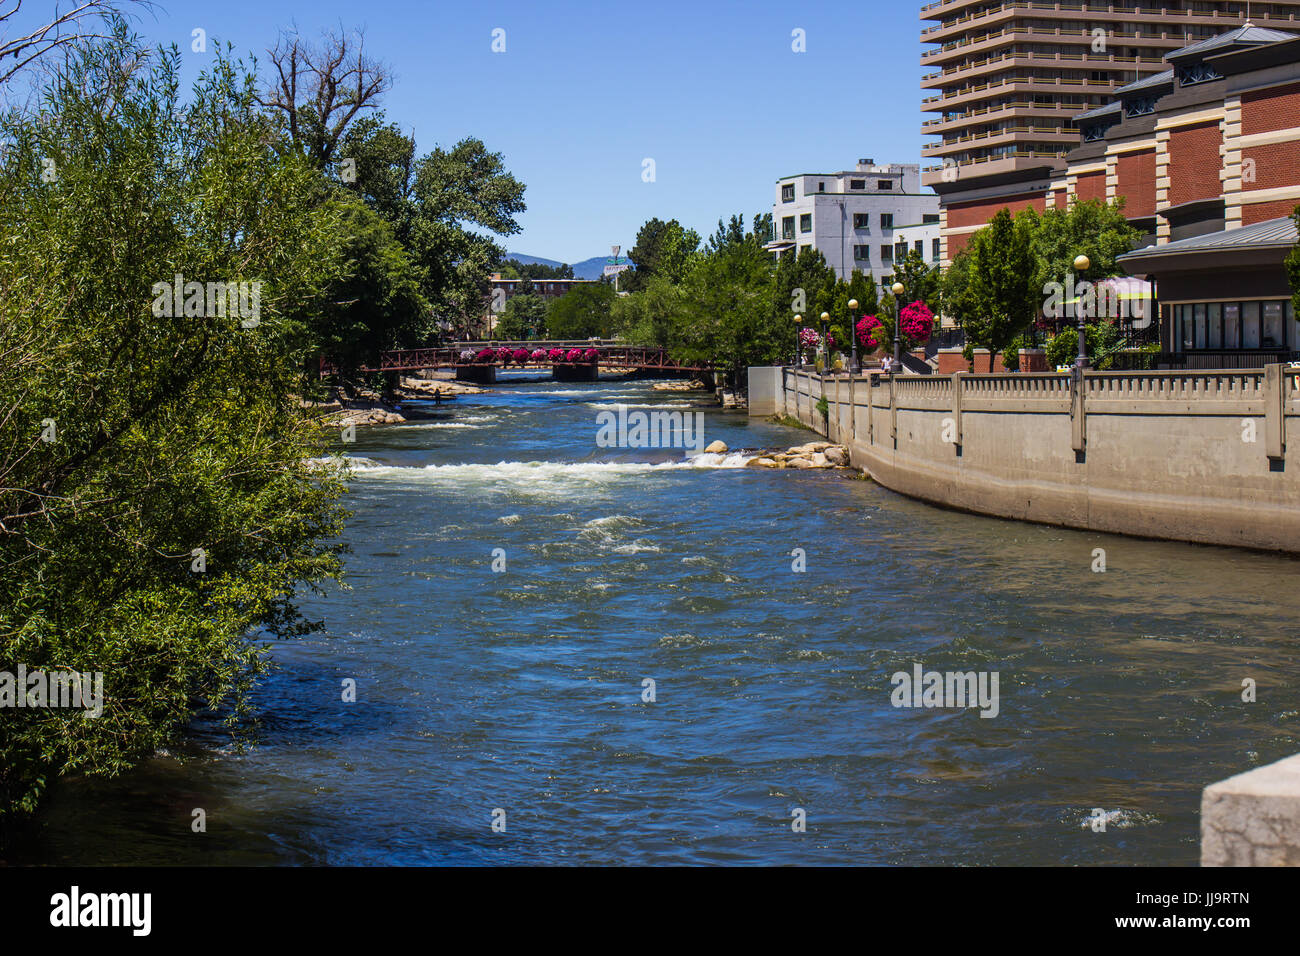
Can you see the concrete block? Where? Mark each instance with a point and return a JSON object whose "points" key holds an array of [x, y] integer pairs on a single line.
{"points": [[1253, 819]]}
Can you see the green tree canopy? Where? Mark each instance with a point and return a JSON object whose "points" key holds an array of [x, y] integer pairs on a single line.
{"points": [[145, 436], [582, 312], [662, 249], [1003, 297]]}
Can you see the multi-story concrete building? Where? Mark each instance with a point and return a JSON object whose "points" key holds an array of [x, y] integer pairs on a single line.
{"points": [[862, 218], [1010, 76]]}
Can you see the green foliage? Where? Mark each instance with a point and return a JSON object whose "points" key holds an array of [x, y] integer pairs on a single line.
{"points": [[1293, 266], [173, 433], [524, 317], [662, 249], [582, 312], [537, 270], [1100, 338], [1002, 296], [1096, 229]]}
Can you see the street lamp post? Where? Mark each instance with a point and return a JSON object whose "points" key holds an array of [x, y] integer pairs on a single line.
{"points": [[826, 345], [853, 334], [1081, 264], [798, 339], [899, 290]]}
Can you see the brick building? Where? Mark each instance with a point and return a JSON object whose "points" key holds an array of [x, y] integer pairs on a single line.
{"points": [[1010, 76]]}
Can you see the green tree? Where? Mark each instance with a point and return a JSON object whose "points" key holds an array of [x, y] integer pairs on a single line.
{"points": [[662, 249], [1003, 297], [524, 317], [170, 434], [582, 312], [1092, 228], [650, 317], [1293, 266]]}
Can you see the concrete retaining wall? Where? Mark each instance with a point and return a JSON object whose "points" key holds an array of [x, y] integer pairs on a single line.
{"points": [[1191, 456]]}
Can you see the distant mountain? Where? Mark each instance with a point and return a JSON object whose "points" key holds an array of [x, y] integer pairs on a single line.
{"points": [[586, 269]]}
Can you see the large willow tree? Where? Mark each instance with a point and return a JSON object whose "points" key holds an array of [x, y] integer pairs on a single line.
{"points": [[157, 507]]}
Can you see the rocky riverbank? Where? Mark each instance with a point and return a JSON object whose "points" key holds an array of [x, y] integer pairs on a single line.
{"points": [[365, 407]]}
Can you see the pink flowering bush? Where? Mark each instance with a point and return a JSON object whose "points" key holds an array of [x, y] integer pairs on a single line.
{"points": [[539, 355], [485, 355], [521, 356], [918, 322], [504, 354], [591, 355], [575, 355], [808, 338], [556, 355], [871, 332]]}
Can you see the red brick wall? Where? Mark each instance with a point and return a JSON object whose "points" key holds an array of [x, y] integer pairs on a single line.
{"points": [[1264, 211], [1195, 163], [978, 212], [1137, 183], [1277, 164], [958, 242], [1091, 186], [1263, 111]]}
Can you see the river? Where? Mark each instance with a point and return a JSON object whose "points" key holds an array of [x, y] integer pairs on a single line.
{"points": [[517, 695]]}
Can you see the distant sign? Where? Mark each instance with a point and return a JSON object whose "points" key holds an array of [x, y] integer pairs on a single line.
{"points": [[615, 270]]}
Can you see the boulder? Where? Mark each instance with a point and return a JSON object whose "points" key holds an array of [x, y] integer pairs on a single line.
{"points": [[820, 461], [762, 463], [810, 448], [716, 448], [837, 455], [800, 463]]}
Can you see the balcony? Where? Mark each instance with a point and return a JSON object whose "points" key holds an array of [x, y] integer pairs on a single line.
{"points": [[1080, 61]]}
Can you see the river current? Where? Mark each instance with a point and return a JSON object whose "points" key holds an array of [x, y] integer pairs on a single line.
{"points": [[520, 694]]}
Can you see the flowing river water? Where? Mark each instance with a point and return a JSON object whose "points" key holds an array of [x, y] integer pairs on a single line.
{"points": [[522, 690]]}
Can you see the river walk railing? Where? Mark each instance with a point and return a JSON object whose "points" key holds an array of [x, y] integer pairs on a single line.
{"points": [[1191, 455]]}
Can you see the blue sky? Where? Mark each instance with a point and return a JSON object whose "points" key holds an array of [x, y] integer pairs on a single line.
{"points": [[710, 90]]}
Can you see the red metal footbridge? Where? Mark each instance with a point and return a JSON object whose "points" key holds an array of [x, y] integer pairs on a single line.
{"points": [[610, 354]]}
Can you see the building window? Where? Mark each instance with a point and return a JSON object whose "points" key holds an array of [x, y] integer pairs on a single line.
{"points": [[938, 250], [1260, 325], [787, 193], [821, 187], [805, 222], [1195, 73], [886, 220], [857, 184], [930, 217], [787, 227], [885, 184], [886, 253], [862, 253], [1142, 106], [900, 250], [862, 220], [919, 246]]}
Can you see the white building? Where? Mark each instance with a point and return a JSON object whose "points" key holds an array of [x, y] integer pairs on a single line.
{"points": [[863, 218]]}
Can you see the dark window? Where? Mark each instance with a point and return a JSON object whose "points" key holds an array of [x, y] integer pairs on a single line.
{"points": [[805, 222], [1195, 73], [862, 220], [930, 217], [821, 187], [862, 253], [887, 253], [938, 252], [787, 227], [885, 184], [857, 184], [1142, 106], [886, 220], [787, 193]]}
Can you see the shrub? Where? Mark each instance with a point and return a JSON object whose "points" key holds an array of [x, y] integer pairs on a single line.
{"points": [[575, 355], [539, 355], [556, 355], [521, 356], [504, 355], [870, 332], [918, 323], [485, 355], [591, 355]]}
